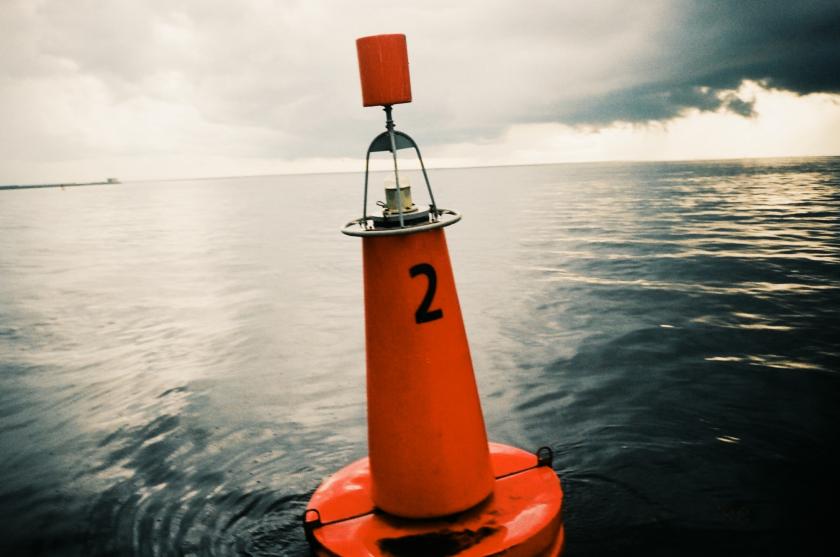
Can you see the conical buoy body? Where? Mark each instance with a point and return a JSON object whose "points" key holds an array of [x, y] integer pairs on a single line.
{"points": [[428, 447]]}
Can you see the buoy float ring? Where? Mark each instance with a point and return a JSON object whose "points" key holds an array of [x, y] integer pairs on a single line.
{"points": [[522, 517]]}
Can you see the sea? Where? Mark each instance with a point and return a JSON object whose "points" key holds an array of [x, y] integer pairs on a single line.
{"points": [[183, 362]]}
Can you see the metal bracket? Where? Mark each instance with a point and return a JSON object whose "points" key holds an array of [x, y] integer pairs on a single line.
{"points": [[311, 520], [382, 142], [392, 141], [545, 456]]}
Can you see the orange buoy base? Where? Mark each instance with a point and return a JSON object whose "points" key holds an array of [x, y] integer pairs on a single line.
{"points": [[522, 517]]}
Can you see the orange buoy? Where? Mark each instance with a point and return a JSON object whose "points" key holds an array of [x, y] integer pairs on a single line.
{"points": [[383, 68], [432, 484]]}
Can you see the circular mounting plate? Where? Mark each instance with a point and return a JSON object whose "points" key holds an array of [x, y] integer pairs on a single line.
{"points": [[364, 226]]}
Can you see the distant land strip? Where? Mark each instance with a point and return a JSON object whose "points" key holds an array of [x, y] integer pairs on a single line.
{"points": [[109, 181]]}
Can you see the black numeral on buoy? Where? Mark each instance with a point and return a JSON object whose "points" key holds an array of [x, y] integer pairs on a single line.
{"points": [[423, 313]]}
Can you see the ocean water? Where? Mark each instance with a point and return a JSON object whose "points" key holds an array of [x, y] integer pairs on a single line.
{"points": [[181, 363]]}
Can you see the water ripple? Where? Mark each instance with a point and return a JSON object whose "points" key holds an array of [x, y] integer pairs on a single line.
{"points": [[182, 363]]}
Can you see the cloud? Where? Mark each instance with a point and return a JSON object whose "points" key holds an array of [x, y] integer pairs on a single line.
{"points": [[706, 49], [278, 79], [790, 45]]}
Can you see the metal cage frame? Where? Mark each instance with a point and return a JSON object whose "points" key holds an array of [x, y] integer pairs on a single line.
{"points": [[392, 140]]}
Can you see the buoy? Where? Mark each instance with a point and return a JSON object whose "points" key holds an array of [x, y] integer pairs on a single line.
{"points": [[432, 484]]}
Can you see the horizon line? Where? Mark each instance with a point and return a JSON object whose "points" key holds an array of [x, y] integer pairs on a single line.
{"points": [[469, 167]]}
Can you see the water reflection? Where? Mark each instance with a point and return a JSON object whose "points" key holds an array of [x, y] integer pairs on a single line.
{"points": [[657, 308]]}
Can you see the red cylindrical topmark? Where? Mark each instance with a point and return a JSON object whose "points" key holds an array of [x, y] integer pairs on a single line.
{"points": [[383, 68]]}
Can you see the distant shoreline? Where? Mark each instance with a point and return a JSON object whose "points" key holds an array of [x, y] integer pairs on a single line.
{"points": [[108, 182]]}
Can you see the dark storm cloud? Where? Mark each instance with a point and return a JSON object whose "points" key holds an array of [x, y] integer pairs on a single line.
{"points": [[659, 101], [790, 45], [706, 49]]}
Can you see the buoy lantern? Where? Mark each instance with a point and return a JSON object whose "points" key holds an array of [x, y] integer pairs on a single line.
{"points": [[432, 485]]}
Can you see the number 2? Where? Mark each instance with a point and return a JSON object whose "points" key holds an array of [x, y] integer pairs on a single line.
{"points": [[423, 313]]}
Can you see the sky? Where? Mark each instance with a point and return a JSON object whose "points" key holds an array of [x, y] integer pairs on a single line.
{"points": [[152, 89]]}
